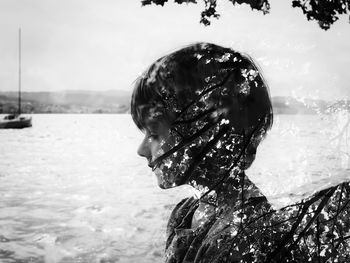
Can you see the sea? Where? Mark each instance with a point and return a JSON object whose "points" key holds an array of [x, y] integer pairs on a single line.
{"points": [[72, 188]]}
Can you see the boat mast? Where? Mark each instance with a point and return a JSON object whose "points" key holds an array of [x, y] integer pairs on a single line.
{"points": [[19, 71]]}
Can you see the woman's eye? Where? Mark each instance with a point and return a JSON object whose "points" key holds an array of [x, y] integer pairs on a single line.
{"points": [[153, 136]]}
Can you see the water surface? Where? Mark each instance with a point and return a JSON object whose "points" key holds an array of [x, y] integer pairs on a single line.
{"points": [[73, 189]]}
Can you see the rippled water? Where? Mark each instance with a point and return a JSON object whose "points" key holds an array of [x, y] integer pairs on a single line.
{"points": [[73, 189]]}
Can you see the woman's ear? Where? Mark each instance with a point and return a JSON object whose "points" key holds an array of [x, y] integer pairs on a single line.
{"points": [[246, 112], [238, 115]]}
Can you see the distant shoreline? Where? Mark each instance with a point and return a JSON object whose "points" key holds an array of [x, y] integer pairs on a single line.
{"points": [[118, 102]]}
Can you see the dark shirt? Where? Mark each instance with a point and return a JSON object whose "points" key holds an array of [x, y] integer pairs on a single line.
{"points": [[314, 230]]}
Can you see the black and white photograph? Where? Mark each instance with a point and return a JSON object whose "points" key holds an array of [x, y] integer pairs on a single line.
{"points": [[185, 131]]}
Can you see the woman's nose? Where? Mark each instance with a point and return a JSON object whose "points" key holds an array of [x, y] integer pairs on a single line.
{"points": [[143, 149]]}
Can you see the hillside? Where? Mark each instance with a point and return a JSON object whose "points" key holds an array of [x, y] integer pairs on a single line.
{"points": [[67, 102], [116, 101]]}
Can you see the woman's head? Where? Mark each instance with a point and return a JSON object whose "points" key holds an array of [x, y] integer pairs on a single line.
{"points": [[204, 109]]}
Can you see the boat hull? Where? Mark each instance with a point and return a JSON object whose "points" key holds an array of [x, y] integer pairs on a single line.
{"points": [[17, 123]]}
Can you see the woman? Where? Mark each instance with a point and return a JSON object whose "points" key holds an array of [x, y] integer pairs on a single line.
{"points": [[204, 110]]}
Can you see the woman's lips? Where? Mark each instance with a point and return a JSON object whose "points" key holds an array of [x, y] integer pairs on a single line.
{"points": [[155, 164], [156, 167], [153, 167]]}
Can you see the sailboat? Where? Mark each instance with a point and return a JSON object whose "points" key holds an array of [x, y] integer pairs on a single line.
{"points": [[16, 120]]}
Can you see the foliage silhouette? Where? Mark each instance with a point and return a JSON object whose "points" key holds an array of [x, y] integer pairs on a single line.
{"points": [[323, 11]]}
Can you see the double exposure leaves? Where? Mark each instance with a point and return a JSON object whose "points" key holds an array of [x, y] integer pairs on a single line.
{"points": [[325, 12], [209, 12], [157, 2], [260, 5]]}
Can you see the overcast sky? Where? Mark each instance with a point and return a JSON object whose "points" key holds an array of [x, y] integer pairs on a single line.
{"points": [[106, 44]]}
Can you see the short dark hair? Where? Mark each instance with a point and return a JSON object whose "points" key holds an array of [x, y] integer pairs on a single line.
{"points": [[176, 80]]}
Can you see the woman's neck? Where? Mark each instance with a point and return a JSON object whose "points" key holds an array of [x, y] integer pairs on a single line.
{"points": [[235, 189], [231, 195]]}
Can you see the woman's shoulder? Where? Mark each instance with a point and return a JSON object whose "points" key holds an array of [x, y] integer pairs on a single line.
{"points": [[182, 214]]}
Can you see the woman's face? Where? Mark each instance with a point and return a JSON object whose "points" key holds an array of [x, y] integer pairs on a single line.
{"points": [[171, 163], [157, 141]]}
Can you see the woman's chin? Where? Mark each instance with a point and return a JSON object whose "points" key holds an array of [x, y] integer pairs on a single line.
{"points": [[163, 182], [165, 185]]}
